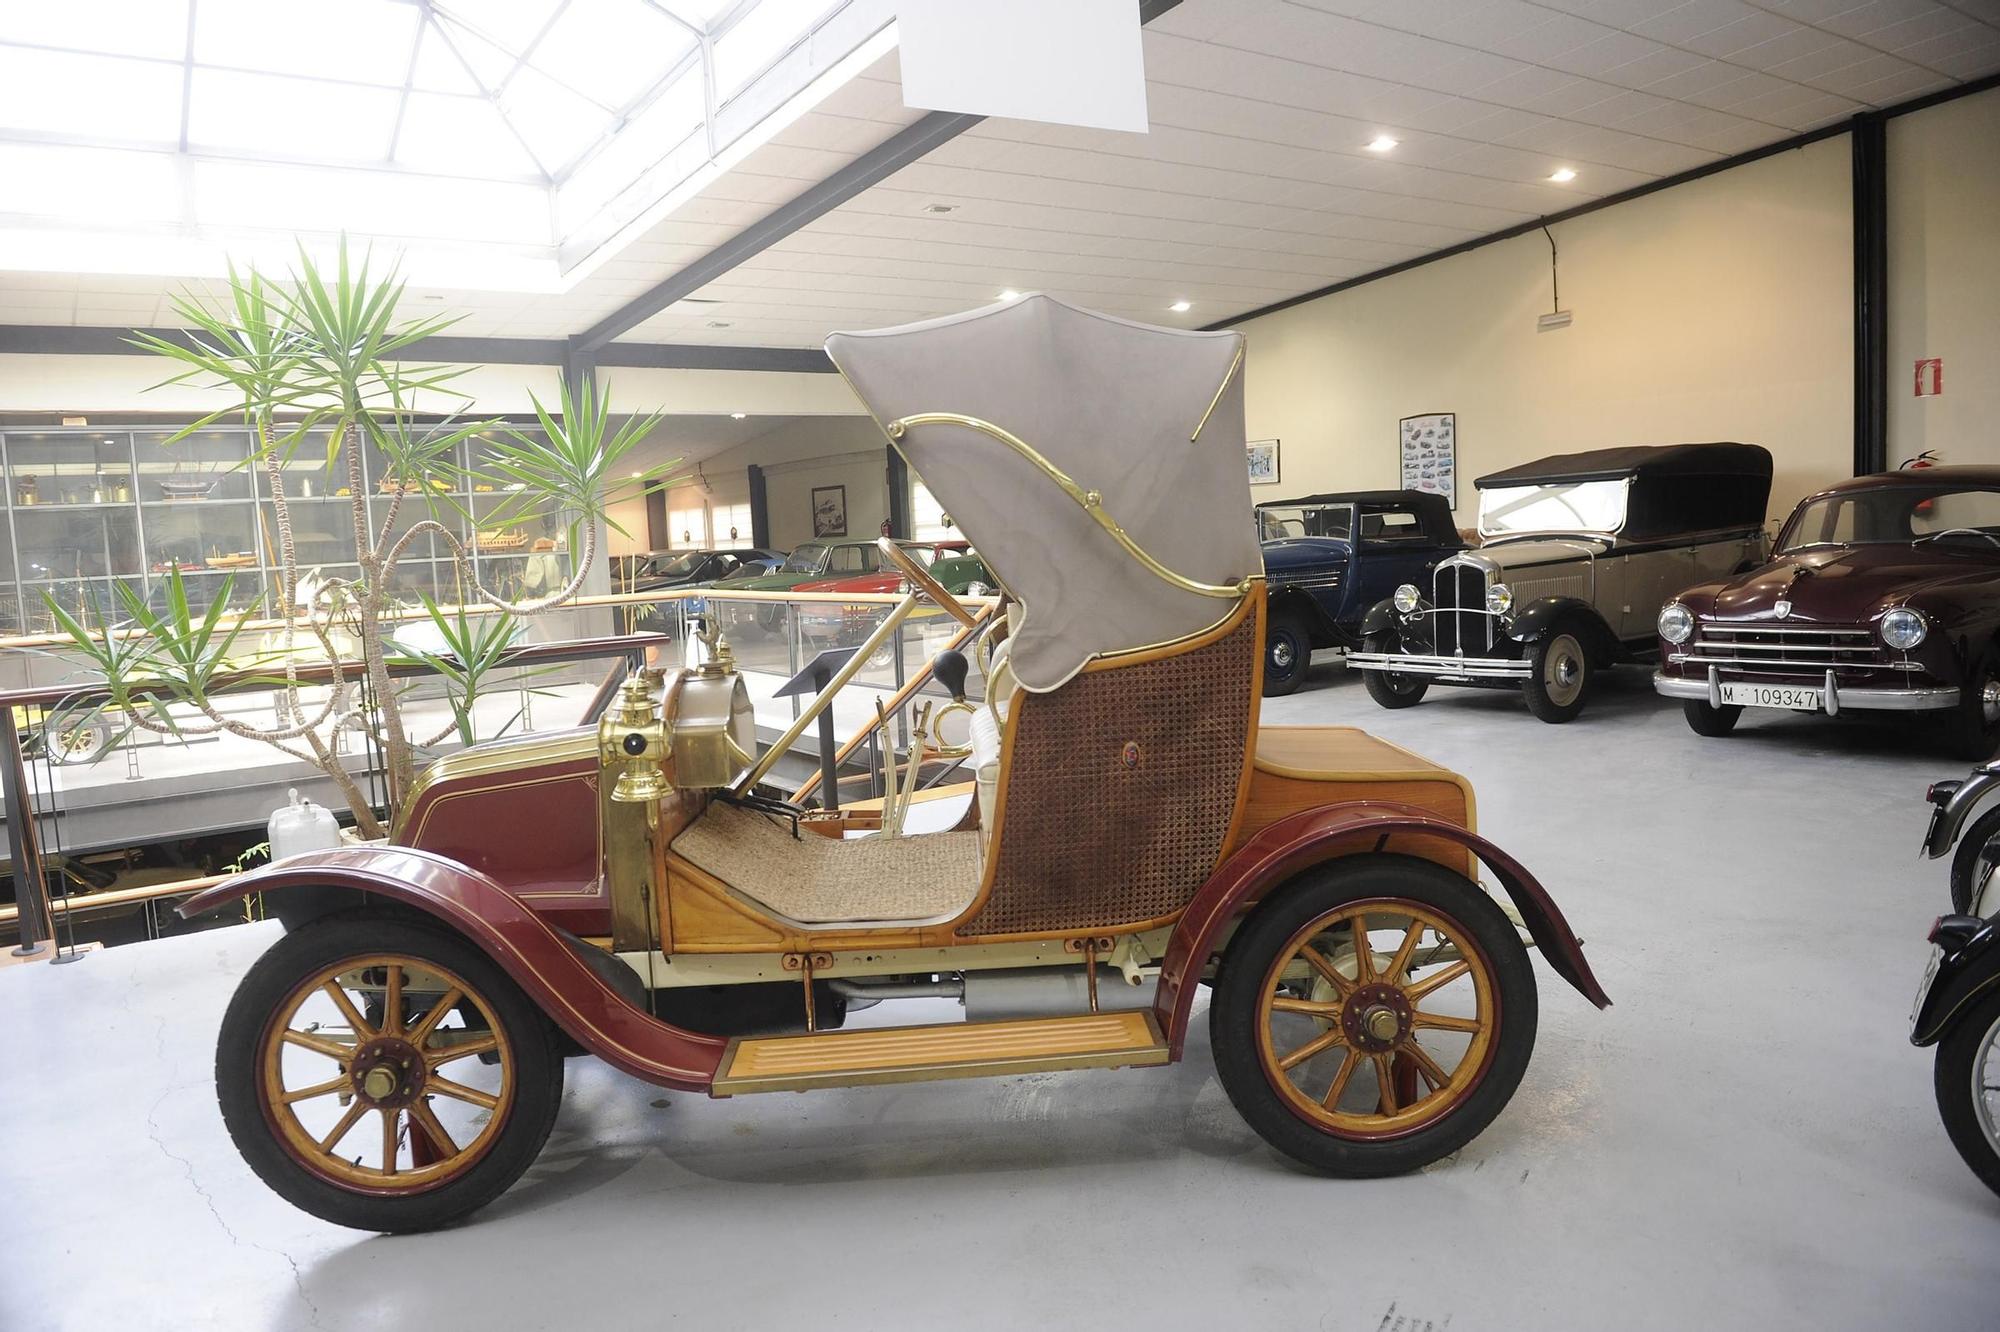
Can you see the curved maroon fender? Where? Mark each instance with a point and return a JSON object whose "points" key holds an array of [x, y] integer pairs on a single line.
{"points": [[537, 958], [1310, 837]]}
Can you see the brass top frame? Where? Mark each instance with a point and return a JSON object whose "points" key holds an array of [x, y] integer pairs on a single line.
{"points": [[1091, 501]]}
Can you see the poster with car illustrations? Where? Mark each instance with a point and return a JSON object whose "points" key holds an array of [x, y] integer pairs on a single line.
{"points": [[1430, 454]]}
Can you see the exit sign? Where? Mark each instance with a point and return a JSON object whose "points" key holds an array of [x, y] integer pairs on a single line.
{"points": [[1930, 377]]}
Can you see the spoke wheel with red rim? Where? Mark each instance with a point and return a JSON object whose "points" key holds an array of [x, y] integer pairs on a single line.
{"points": [[385, 1075], [1374, 1015]]}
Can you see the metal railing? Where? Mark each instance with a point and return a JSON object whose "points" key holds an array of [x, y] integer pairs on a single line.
{"points": [[772, 634]]}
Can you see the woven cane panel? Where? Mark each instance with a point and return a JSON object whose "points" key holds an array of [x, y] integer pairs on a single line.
{"points": [[1120, 791]]}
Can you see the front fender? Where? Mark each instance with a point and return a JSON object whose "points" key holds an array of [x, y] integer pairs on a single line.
{"points": [[574, 996], [1536, 619], [1951, 816], [1311, 837], [1380, 619]]}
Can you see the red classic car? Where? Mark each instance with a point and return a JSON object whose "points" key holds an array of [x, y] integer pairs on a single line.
{"points": [[825, 623], [1884, 596]]}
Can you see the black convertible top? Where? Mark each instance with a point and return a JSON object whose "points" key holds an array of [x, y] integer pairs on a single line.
{"points": [[1433, 511], [1676, 488], [1639, 460]]}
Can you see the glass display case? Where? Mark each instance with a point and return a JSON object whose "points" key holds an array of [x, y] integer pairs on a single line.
{"points": [[84, 510]]}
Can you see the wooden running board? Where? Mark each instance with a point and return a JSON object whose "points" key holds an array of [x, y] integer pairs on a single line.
{"points": [[952, 1050]]}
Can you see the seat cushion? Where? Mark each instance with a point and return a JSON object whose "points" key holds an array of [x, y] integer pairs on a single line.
{"points": [[818, 880]]}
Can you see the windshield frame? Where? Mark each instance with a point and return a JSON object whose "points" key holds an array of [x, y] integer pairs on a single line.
{"points": [[1786, 544], [1542, 489], [824, 553], [1351, 508]]}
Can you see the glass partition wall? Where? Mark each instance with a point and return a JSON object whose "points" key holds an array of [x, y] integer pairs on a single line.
{"points": [[86, 509]]}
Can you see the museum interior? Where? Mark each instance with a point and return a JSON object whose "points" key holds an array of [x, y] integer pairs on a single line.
{"points": [[1299, 598]]}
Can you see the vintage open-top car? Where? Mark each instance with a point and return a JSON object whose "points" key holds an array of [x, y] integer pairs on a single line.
{"points": [[1329, 558], [1577, 553], [640, 891], [1884, 596]]}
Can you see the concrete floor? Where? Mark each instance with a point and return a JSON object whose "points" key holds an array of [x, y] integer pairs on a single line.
{"points": [[1745, 1141]]}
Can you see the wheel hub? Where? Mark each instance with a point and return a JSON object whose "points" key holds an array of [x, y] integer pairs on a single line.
{"points": [[1375, 1018], [1989, 701], [388, 1072], [1281, 655]]}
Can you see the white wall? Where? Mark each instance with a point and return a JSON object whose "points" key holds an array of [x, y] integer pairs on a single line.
{"points": [[1944, 278], [846, 451], [1716, 310]]}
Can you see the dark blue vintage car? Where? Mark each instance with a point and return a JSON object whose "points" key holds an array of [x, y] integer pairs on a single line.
{"points": [[1328, 558]]}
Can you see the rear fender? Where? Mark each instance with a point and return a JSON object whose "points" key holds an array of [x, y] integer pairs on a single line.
{"points": [[531, 952], [1312, 837], [1966, 974]]}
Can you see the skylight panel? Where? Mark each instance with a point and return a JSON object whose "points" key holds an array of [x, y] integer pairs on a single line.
{"points": [[291, 117], [489, 64], [462, 135], [701, 13], [89, 97], [759, 37], [113, 27], [556, 123], [510, 24], [615, 49], [361, 41], [438, 70]]}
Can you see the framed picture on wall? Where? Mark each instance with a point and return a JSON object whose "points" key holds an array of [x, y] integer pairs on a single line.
{"points": [[1262, 455], [829, 511], [1428, 446]]}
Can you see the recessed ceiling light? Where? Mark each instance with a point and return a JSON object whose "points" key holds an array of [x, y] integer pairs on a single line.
{"points": [[738, 416], [1381, 143], [637, 475], [718, 323], [1181, 307], [1562, 175], [1010, 295], [940, 208]]}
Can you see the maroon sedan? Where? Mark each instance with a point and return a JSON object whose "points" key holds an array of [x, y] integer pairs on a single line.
{"points": [[1884, 596]]}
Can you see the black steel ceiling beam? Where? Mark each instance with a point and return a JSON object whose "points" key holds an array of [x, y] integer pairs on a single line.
{"points": [[885, 159]]}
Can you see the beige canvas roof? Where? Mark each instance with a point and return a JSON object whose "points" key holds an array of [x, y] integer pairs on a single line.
{"points": [[1113, 405]]}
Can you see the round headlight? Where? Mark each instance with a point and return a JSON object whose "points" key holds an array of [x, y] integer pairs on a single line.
{"points": [[1903, 629], [1407, 598], [975, 588], [1676, 624], [1499, 598]]}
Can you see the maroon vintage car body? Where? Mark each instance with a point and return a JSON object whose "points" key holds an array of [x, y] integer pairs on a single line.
{"points": [[1926, 542]]}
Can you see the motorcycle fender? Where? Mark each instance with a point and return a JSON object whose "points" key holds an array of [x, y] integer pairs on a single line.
{"points": [[1312, 837], [532, 953], [1949, 819], [1963, 976]]}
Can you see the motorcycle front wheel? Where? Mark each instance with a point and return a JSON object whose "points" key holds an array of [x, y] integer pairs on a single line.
{"points": [[1967, 1083]]}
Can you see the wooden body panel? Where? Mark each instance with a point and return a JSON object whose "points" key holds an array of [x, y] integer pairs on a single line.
{"points": [[1305, 767]]}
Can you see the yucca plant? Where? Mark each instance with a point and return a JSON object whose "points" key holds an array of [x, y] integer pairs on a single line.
{"points": [[319, 352]]}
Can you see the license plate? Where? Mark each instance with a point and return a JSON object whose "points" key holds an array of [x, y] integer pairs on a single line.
{"points": [[1771, 696], [1923, 990]]}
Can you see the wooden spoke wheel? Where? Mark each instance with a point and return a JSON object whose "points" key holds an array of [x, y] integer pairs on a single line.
{"points": [[1374, 1015], [385, 1075]]}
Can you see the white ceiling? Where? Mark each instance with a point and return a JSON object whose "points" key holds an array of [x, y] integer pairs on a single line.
{"points": [[1253, 184]]}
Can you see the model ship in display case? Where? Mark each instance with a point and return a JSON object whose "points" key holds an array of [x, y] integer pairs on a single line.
{"points": [[643, 890]]}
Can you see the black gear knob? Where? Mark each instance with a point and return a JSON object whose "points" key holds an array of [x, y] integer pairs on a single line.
{"points": [[950, 667]]}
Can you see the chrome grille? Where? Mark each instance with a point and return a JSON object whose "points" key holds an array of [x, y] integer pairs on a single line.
{"points": [[1461, 624], [1784, 649]]}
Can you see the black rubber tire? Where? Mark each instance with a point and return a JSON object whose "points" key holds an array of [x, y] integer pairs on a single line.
{"points": [[1951, 1082], [1712, 722], [1965, 860], [1287, 636], [1232, 1013], [538, 1073], [1561, 646], [1971, 737], [1387, 687]]}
